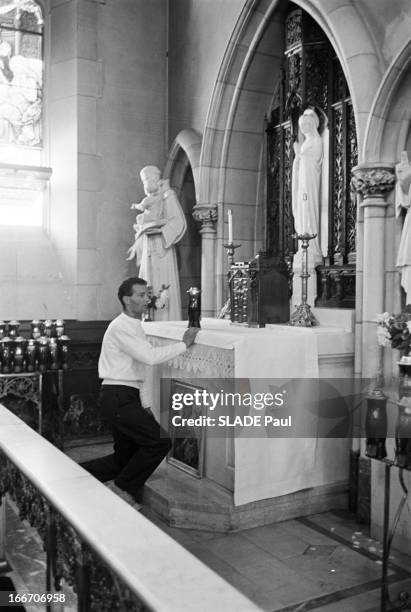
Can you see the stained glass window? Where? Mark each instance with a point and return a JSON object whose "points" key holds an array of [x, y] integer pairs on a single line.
{"points": [[21, 72]]}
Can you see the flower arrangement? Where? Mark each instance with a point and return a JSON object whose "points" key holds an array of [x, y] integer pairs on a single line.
{"points": [[394, 330], [160, 301]]}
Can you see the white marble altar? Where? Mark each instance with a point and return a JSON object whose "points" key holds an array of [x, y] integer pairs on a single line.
{"points": [[260, 468]]}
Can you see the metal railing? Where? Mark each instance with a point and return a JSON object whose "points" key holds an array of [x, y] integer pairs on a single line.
{"points": [[113, 557]]}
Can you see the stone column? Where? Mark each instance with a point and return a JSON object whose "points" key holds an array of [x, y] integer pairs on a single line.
{"points": [[207, 216], [373, 182]]}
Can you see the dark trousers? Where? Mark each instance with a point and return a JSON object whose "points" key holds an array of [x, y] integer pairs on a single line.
{"points": [[140, 444]]}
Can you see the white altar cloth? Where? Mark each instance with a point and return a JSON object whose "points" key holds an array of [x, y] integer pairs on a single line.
{"points": [[264, 467]]}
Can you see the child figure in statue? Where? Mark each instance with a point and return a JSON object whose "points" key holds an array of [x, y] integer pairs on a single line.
{"points": [[152, 215]]}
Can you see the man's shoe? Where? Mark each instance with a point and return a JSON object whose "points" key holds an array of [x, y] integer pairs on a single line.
{"points": [[127, 497]]}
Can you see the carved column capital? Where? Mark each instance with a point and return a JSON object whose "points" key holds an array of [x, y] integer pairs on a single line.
{"points": [[206, 215], [373, 180]]}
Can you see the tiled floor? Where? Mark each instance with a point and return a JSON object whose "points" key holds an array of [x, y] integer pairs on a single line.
{"points": [[325, 562]]}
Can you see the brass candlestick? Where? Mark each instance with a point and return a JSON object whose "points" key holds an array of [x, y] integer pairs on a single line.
{"points": [[230, 248], [302, 315]]}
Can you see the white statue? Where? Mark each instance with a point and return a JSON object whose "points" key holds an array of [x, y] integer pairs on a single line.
{"points": [[159, 226], [403, 200], [306, 183]]}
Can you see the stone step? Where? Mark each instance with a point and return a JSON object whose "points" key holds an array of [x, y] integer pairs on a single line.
{"points": [[187, 502]]}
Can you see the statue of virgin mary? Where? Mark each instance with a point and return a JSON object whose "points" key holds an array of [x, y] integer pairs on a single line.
{"points": [[306, 183]]}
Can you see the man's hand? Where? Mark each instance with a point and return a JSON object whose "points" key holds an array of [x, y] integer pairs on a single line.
{"points": [[189, 335]]}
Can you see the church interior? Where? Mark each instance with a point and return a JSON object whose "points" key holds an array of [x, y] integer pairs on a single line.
{"points": [[250, 160]]}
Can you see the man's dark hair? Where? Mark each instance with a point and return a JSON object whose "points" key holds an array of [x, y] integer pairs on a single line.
{"points": [[126, 287]]}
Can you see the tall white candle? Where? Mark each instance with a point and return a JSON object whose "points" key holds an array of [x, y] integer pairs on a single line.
{"points": [[304, 215], [230, 226]]}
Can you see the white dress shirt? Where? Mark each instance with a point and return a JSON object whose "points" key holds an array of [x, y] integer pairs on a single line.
{"points": [[125, 353]]}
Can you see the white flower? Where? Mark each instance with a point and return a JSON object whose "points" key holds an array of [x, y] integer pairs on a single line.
{"points": [[382, 319], [409, 326], [163, 299], [383, 336]]}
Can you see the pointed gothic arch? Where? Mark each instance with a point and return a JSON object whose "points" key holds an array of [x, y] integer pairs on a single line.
{"points": [[242, 96], [182, 169], [388, 125], [190, 141]]}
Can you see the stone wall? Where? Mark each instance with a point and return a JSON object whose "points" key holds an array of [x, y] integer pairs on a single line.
{"points": [[199, 33], [130, 129], [105, 94]]}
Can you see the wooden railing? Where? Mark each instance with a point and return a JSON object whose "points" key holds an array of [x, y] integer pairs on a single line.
{"points": [[113, 557]]}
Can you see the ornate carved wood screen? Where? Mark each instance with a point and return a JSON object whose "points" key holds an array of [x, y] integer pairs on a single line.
{"points": [[312, 77]]}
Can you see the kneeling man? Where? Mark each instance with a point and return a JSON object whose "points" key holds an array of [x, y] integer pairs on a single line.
{"points": [[139, 442]]}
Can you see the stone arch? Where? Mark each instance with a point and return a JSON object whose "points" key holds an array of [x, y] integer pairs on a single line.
{"points": [[389, 120], [190, 142], [182, 168], [231, 160]]}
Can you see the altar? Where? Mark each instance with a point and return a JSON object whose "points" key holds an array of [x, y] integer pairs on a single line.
{"points": [[257, 468]]}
